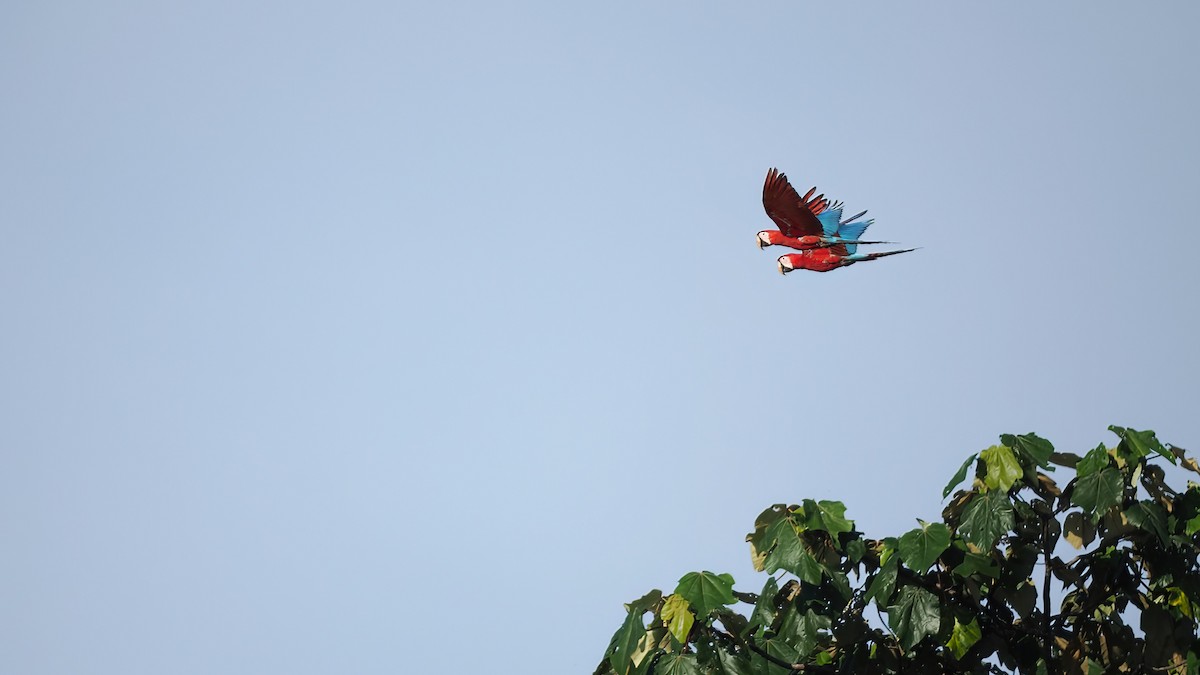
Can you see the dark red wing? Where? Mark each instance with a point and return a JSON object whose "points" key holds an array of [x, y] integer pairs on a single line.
{"points": [[794, 216]]}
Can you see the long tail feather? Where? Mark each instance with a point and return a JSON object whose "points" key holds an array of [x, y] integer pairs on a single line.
{"points": [[872, 256]]}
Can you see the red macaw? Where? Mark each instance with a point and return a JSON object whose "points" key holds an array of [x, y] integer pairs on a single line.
{"points": [[827, 258], [806, 222]]}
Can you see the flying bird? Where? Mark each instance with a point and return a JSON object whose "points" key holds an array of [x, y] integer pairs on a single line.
{"points": [[806, 222], [827, 258]]}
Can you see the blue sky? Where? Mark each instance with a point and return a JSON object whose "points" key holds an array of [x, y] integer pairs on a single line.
{"points": [[376, 337]]}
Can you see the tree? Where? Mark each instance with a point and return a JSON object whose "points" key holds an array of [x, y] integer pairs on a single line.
{"points": [[973, 594]]}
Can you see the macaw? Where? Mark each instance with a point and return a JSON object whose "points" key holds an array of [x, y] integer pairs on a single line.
{"points": [[806, 222], [827, 258]]}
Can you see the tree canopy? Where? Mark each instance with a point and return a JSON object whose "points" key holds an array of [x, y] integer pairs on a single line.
{"points": [[987, 590]]}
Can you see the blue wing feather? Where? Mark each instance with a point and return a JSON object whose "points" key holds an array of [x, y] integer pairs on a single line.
{"points": [[849, 231], [829, 221]]}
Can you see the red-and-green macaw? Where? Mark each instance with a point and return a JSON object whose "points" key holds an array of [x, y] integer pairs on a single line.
{"points": [[806, 222], [827, 258]]}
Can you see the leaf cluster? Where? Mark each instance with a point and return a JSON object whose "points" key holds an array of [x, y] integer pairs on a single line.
{"points": [[971, 594]]}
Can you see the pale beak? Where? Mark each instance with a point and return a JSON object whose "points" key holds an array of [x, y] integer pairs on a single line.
{"points": [[781, 270], [760, 243]]}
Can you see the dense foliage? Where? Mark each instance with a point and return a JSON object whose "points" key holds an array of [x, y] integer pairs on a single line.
{"points": [[985, 591]]}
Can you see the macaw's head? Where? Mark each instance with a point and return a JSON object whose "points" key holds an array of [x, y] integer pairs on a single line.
{"points": [[785, 263], [768, 238]]}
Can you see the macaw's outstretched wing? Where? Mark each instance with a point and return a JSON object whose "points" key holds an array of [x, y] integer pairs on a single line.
{"points": [[795, 216], [852, 229], [829, 221]]}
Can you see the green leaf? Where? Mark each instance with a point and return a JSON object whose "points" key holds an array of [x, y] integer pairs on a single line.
{"points": [[804, 630], [1021, 598], [1002, 467], [1032, 446], [677, 613], [733, 665], [828, 516], [764, 609], [958, 475], [624, 643], [646, 602], [1138, 444], [884, 584], [1150, 517], [1179, 600], [855, 550], [1193, 525], [890, 544], [761, 540], [1092, 462], [790, 554], [963, 637], [678, 664], [920, 547], [1079, 531], [841, 583], [706, 591], [780, 649], [914, 616], [977, 563], [1097, 492], [988, 516]]}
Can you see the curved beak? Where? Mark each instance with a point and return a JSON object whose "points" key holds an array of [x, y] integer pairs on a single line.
{"points": [[759, 241], [782, 270]]}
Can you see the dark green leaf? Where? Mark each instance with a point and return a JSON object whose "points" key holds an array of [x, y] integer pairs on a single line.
{"points": [[1079, 531], [959, 475], [624, 643], [730, 664], [764, 609], [1021, 598], [1002, 467], [1097, 492], [884, 584], [914, 615], [803, 630], [841, 583], [1137, 444], [677, 664], [826, 515], [986, 518], [1150, 517], [646, 602], [780, 649], [977, 563], [920, 547], [855, 550], [789, 554], [706, 591], [1065, 459], [1032, 446]]}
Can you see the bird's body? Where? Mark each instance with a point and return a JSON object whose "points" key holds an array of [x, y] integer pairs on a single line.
{"points": [[827, 258]]}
